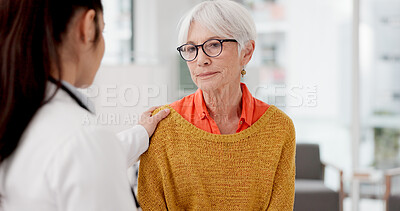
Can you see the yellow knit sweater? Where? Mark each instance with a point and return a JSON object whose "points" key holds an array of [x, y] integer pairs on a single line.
{"points": [[186, 168]]}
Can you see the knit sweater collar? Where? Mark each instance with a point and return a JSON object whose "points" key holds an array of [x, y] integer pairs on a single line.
{"points": [[182, 122]]}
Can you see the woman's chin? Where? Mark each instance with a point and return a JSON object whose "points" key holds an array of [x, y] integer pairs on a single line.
{"points": [[208, 85]]}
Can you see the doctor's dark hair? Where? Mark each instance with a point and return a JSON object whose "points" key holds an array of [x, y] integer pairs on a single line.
{"points": [[31, 32]]}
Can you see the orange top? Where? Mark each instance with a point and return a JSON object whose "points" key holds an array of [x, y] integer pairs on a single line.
{"points": [[194, 110]]}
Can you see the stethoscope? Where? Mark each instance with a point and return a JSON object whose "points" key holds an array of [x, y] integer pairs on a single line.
{"points": [[72, 95]]}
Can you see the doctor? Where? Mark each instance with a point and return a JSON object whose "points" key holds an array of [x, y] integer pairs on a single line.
{"points": [[49, 160]]}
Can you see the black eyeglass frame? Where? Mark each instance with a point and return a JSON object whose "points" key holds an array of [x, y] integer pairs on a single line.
{"points": [[202, 47]]}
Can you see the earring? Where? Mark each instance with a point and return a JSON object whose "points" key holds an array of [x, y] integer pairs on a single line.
{"points": [[243, 72]]}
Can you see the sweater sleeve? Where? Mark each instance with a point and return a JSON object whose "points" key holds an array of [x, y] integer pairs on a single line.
{"points": [[150, 186], [282, 198]]}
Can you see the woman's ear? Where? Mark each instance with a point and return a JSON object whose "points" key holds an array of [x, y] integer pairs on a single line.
{"points": [[87, 27], [247, 52]]}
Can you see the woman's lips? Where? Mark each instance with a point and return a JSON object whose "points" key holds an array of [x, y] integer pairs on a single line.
{"points": [[207, 74]]}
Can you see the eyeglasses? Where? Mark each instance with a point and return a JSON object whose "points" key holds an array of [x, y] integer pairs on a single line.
{"points": [[211, 48]]}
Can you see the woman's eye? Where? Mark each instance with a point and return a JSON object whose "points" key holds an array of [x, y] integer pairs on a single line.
{"points": [[191, 49], [213, 45]]}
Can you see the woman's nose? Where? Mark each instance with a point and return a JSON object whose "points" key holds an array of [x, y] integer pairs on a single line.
{"points": [[202, 58]]}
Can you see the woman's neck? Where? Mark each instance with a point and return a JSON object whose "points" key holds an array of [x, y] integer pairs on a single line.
{"points": [[68, 73], [224, 104]]}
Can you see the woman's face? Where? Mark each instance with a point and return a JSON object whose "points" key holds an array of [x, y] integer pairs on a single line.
{"points": [[213, 73]]}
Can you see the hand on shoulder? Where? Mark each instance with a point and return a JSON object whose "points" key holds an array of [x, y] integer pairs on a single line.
{"points": [[149, 122]]}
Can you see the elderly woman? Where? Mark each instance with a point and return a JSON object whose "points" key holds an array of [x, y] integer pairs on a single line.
{"points": [[220, 148]]}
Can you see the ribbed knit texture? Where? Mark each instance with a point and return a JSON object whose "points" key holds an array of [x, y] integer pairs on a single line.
{"points": [[186, 168]]}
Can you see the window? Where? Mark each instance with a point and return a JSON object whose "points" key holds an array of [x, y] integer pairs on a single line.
{"points": [[118, 32]]}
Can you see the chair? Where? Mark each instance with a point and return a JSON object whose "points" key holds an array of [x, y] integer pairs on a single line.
{"points": [[392, 200], [310, 191]]}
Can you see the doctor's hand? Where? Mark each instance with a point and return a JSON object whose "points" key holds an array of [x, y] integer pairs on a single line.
{"points": [[150, 122]]}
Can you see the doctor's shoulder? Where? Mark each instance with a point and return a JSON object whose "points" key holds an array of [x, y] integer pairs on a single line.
{"points": [[61, 119], [77, 141]]}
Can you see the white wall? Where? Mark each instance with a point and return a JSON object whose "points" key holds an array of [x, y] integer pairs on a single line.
{"points": [[122, 93], [156, 36]]}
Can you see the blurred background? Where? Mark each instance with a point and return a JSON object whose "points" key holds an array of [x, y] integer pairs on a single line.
{"points": [[333, 66]]}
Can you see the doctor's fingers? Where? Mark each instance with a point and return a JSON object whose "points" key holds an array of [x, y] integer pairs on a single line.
{"points": [[150, 122], [161, 115], [151, 110], [147, 118]]}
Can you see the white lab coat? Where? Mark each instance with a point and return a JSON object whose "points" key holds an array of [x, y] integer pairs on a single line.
{"points": [[64, 164]]}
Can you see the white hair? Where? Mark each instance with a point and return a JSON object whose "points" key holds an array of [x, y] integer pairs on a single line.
{"points": [[225, 18]]}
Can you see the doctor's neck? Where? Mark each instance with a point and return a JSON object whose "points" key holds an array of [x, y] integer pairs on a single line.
{"points": [[68, 73]]}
